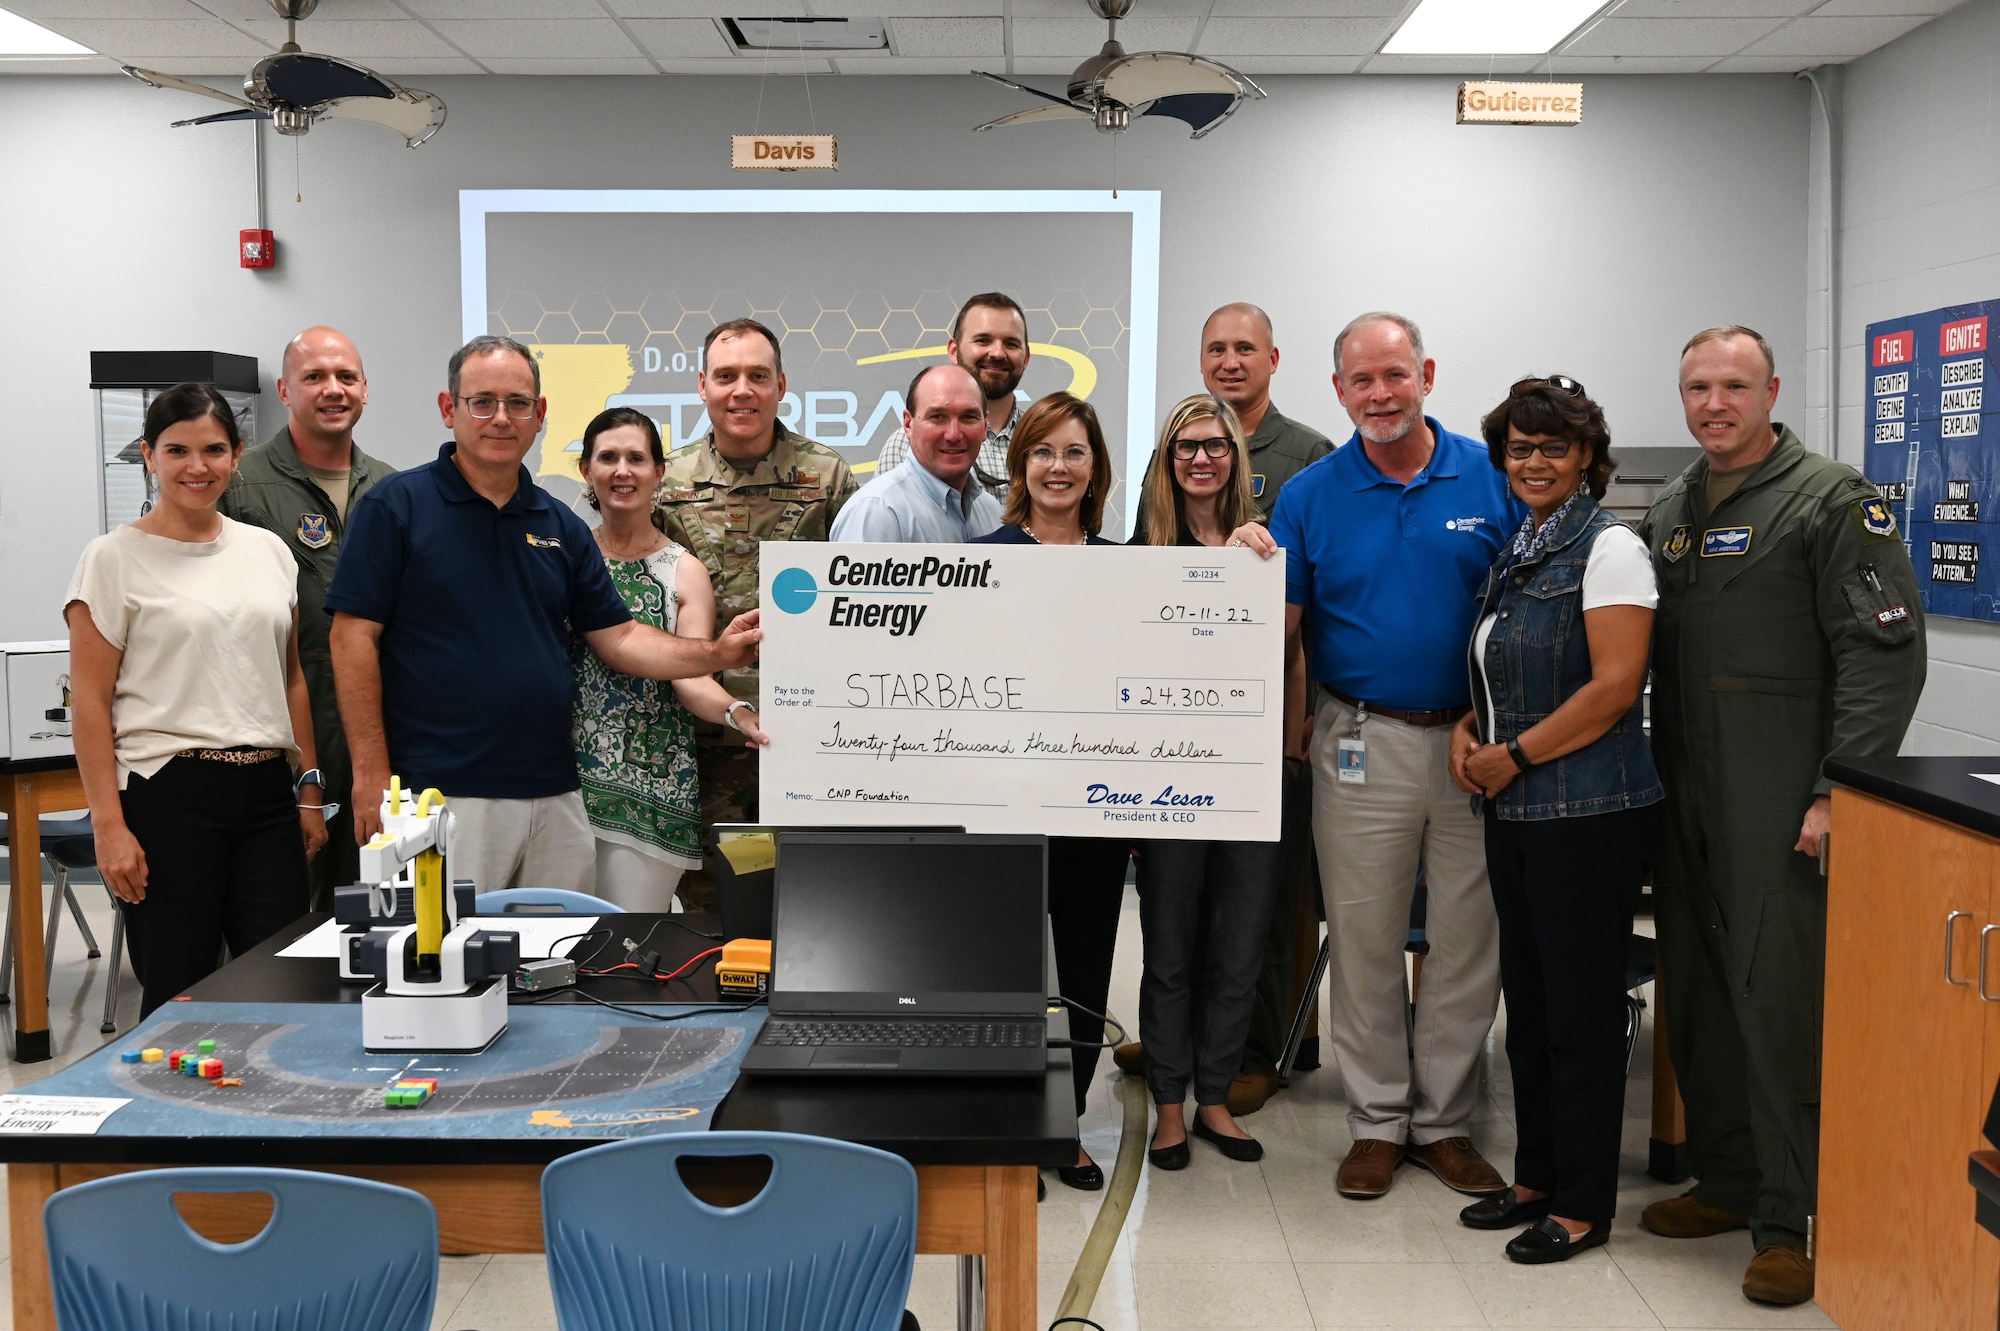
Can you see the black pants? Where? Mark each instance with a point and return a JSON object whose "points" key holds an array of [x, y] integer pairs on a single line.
{"points": [[1210, 900], [1086, 888], [1564, 890], [225, 861]]}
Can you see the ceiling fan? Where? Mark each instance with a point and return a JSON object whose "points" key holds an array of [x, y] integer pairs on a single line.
{"points": [[294, 88], [1111, 87]]}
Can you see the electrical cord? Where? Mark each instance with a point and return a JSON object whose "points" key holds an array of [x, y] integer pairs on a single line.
{"points": [[1088, 1044], [633, 1011], [685, 967], [1080, 1321]]}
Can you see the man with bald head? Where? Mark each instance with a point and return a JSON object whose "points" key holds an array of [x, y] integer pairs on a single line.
{"points": [[302, 485], [1239, 355]]}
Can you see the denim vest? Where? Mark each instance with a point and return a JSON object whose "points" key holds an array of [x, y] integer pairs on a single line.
{"points": [[1536, 657]]}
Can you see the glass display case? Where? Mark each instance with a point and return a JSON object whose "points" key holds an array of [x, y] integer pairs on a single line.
{"points": [[126, 382]]}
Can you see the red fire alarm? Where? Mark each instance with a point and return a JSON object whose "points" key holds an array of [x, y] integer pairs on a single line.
{"points": [[257, 249]]}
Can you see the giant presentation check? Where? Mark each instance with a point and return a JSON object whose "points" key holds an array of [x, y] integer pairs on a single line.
{"points": [[1103, 692]]}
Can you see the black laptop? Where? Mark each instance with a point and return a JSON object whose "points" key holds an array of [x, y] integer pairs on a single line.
{"points": [[907, 954], [740, 857]]}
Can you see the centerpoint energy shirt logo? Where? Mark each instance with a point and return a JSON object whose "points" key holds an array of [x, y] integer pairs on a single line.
{"points": [[795, 591]]}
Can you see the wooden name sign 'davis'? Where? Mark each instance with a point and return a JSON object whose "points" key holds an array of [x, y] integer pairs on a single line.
{"points": [[784, 152], [1520, 103]]}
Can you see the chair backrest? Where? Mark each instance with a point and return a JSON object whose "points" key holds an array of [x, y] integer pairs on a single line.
{"points": [[829, 1243], [339, 1254], [549, 900]]}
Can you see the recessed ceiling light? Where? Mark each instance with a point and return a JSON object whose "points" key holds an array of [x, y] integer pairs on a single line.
{"points": [[20, 37], [1489, 27]]}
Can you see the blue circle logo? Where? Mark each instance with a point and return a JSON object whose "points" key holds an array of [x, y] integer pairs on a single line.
{"points": [[793, 590]]}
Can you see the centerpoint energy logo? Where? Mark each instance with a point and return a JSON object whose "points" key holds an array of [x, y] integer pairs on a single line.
{"points": [[795, 591]]}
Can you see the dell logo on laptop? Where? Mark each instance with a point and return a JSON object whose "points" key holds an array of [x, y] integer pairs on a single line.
{"points": [[910, 1001]]}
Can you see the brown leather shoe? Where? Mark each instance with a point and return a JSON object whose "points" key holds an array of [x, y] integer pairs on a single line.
{"points": [[1369, 1169], [1249, 1091], [1782, 1276], [1689, 1217], [1458, 1166], [1130, 1058]]}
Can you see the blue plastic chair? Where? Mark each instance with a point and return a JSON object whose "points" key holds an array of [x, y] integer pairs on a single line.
{"points": [[545, 900], [828, 1244], [339, 1254]]}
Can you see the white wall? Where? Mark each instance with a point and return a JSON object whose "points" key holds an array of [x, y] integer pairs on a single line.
{"points": [[1681, 202], [1920, 191]]}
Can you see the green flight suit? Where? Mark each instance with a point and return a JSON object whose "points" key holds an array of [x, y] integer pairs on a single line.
{"points": [[1788, 631], [273, 490], [723, 516]]}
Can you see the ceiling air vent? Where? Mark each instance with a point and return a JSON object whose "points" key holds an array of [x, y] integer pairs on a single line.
{"points": [[805, 34]]}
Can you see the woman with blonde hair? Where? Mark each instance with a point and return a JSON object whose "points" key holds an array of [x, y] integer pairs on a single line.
{"points": [[1204, 906], [1059, 472]]}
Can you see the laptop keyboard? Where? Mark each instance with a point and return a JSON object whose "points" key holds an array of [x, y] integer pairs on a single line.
{"points": [[907, 1034]]}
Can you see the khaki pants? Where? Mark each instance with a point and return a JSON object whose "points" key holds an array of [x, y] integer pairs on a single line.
{"points": [[1371, 838], [543, 842]]}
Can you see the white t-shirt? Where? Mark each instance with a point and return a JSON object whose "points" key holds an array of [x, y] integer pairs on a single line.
{"points": [[1618, 572], [203, 626]]}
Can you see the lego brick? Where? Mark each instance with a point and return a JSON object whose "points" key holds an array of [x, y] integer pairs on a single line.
{"points": [[206, 1047], [153, 1055], [129, 1056]]}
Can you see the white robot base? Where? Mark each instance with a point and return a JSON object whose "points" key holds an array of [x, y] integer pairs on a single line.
{"points": [[465, 1023]]}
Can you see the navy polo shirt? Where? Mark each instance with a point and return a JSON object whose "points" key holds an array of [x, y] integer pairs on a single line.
{"points": [[476, 605], [1390, 574]]}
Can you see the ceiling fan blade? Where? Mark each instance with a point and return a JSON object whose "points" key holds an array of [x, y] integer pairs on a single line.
{"points": [[155, 79], [1022, 87], [414, 115], [1063, 112], [246, 113], [1200, 111], [1151, 75], [304, 79]]}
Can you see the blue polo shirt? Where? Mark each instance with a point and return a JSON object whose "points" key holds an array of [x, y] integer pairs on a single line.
{"points": [[1390, 574], [476, 605]]}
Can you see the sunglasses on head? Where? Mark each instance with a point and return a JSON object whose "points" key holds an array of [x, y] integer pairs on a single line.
{"points": [[1561, 383]]}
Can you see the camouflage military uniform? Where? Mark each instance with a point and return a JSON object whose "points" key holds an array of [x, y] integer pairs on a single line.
{"points": [[723, 515]]}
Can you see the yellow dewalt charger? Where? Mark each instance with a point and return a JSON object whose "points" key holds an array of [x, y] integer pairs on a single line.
{"points": [[745, 968]]}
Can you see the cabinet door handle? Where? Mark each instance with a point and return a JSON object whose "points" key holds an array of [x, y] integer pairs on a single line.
{"points": [[1984, 935], [1950, 927]]}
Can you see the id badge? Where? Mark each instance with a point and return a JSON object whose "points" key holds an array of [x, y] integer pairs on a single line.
{"points": [[1352, 757]]}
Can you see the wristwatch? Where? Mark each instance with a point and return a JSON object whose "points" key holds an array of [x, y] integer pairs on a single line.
{"points": [[1520, 758], [310, 777], [729, 715]]}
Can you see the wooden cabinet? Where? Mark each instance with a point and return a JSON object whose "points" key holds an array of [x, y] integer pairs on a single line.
{"points": [[1911, 1054]]}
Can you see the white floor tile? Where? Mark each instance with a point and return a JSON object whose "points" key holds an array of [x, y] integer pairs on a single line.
{"points": [[1218, 1294], [1351, 1233], [1588, 1290], [1347, 1294]]}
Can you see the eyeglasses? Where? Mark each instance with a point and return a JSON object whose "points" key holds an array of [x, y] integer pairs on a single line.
{"points": [[1185, 449], [1562, 383], [482, 406], [1519, 449], [1076, 455]]}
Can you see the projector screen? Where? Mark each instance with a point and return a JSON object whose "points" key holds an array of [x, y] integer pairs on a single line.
{"points": [[614, 290]]}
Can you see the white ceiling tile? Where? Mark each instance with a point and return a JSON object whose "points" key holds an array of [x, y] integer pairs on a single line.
{"points": [[1047, 66], [359, 39], [1835, 36], [1872, 8], [893, 64], [751, 66], [1224, 37], [418, 67], [1715, 8], [226, 71], [537, 38], [259, 11], [1258, 65], [130, 39], [1384, 9], [77, 64], [1771, 64], [40, 10], [1567, 66], [558, 65], [1474, 66], [1078, 9], [679, 38], [1064, 36], [1671, 36], [704, 9], [878, 8], [984, 38], [504, 9]]}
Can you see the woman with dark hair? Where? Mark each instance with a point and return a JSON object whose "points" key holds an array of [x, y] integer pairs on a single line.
{"points": [[1059, 473], [191, 710], [1204, 906], [634, 737], [1554, 750]]}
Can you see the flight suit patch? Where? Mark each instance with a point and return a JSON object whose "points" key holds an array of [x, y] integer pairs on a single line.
{"points": [[797, 494], [1256, 485], [1725, 541], [1876, 519], [1895, 614], [544, 542], [1679, 542], [737, 519], [313, 531], [677, 496]]}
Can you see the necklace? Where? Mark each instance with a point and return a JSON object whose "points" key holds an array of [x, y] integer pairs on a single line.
{"points": [[604, 544], [1029, 532]]}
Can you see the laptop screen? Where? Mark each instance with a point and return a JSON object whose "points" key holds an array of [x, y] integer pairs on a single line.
{"points": [[910, 924]]}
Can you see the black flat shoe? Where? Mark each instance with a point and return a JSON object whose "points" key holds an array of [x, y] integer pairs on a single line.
{"points": [[1084, 1178], [1245, 1149], [1502, 1211], [1170, 1157], [1547, 1241]]}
